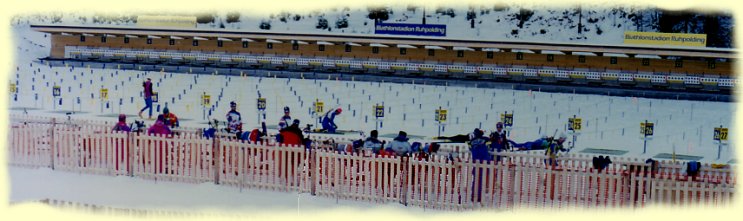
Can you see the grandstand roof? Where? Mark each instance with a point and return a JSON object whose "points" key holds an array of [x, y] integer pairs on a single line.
{"points": [[393, 40]]}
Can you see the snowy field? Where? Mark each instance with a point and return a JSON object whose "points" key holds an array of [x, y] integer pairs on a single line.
{"points": [[610, 123], [135, 193]]}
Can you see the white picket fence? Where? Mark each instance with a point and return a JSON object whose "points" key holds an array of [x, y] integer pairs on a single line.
{"points": [[358, 176], [517, 180], [274, 167]]}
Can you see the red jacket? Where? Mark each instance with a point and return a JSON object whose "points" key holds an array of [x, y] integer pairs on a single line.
{"points": [[290, 138]]}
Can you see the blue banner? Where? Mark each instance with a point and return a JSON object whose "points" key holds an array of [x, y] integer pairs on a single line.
{"points": [[410, 29]]}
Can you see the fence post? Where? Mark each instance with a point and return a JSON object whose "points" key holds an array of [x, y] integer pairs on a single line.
{"points": [[52, 143], [215, 158], [312, 172], [404, 177], [512, 179], [130, 154]]}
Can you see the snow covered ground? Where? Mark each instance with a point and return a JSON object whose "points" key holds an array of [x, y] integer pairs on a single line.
{"points": [[136, 193], [683, 127], [686, 125]]}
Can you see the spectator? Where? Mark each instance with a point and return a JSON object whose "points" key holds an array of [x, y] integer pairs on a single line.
{"points": [[292, 134], [170, 119], [121, 125], [159, 127], [478, 146], [400, 144], [372, 143]]}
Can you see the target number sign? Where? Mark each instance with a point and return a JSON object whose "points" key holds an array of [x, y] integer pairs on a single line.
{"points": [[206, 100], [261, 104], [56, 91], [507, 119], [379, 111], [319, 107], [104, 94], [721, 133]]}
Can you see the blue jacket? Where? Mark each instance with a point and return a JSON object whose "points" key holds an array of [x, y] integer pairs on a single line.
{"points": [[329, 119], [479, 149]]}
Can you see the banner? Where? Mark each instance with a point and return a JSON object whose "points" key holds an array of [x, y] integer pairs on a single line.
{"points": [[166, 21], [657, 38], [410, 29]]}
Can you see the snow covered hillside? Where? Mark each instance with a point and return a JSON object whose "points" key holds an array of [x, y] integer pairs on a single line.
{"points": [[594, 24]]}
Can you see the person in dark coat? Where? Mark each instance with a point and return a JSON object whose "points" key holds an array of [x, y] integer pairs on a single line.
{"points": [[121, 125], [147, 85]]}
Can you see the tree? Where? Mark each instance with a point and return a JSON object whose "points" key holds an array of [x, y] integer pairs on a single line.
{"points": [[265, 25], [205, 18], [379, 14], [341, 23], [322, 23], [233, 17]]}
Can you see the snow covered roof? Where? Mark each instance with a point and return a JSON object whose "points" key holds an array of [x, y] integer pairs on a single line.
{"points": [[152, 36], [86, 34], [131, 36], [247, 39], [456, 48], [648, 56], [522, 51], [324, 43], [366, 39], [223, 39], [353, 44], [405, 46], [378, 45], [176, 37], [584, 53], [491, 49], [299, 42], [615, 55], [552, 52], [273, 41], [110, 35], [434, 47], [66, 34], [200, 38]]}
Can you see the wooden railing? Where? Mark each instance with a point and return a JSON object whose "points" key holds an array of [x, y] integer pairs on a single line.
{"points": [[517, 180]]}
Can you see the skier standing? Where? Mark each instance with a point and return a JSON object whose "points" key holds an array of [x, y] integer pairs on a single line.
{"points": [[147, 85], [478, 146], [480, 154], [498, 140], [234, 121], [286, 119]]}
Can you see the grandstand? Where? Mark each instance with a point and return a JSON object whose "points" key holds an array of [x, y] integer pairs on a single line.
{"points": [[672, 68]]}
